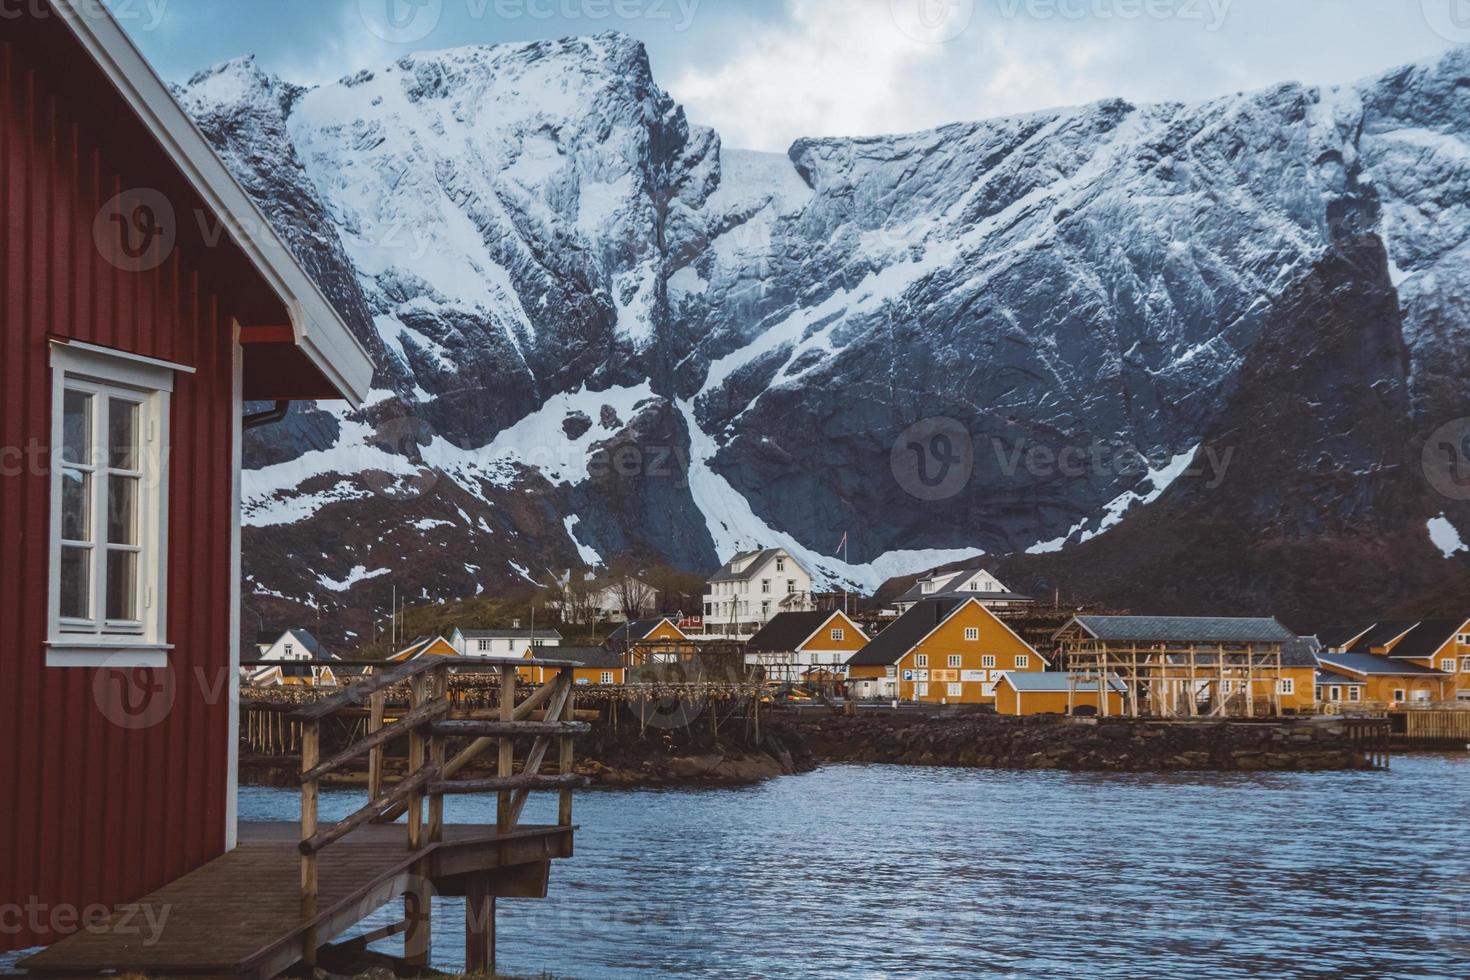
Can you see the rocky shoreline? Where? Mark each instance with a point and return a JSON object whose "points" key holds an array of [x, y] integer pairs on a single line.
{"points": [[1083, 745], [693, 758]]}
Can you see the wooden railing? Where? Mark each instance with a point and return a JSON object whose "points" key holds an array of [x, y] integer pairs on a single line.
{"points": [[428, 774]]}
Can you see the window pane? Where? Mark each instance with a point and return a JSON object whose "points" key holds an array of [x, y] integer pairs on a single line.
{"points": [[122, 585], [76, 505], [76, 428], [122, 510], [122, 424], [76, 577]]}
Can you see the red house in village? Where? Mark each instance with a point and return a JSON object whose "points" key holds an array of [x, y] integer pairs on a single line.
{"points": [[131, 332]]}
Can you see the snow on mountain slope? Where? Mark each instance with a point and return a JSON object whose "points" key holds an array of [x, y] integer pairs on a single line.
{"points": [[589, 314]]}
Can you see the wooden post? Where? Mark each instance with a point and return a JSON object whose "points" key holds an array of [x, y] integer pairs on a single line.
{"points": [[376, 704], [310, 756], [507, 747], [439, 684], [479, 926], [564, 805], [415, 760], [418, 912]]}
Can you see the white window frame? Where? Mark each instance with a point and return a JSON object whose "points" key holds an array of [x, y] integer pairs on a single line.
{"points": [[96, 642], [988, 660], [1023, 661], [607, 677], [1400, 694], [956, 690], [921, 660], [955, 660], [921, 689], [972, 633], [1285, 685], [839, 634], [1355, 693], [1334, 692], [1447, 665]]}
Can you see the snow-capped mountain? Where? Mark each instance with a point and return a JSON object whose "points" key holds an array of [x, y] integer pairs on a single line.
{"points": [[600, 332]]}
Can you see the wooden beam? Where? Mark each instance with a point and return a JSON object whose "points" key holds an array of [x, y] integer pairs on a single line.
{"points": [[342, 828], [479, 926], [512, 728], [310, 742], [361, 691], [403, 726], [498, 784]]}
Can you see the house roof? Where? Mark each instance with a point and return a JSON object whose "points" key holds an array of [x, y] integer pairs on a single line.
{"points": [[948, 585], [317, 330], [1328, 677], [787, 631], [638, 629], [753, 560], [1381, 634], [510, 634], [1373, 663], [598, 657], [1427, 637], [1186, 629], [1336, 636], [304, 637], [900, 636], [1300, 651], [1052, 681]]}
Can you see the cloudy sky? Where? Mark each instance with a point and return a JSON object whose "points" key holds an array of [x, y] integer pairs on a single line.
{"points": [[764, 72]]}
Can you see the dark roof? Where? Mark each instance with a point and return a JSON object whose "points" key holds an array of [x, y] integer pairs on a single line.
{"points": [[785, 632], [1328, 677], [1373, 663], [1186, 629], [916, 591], [753, 561], [636, 630], [599, 657], [1300, 651], [303, 636], [900, 636], [1425, 639], [1381, 634], [1054, 681], [268, 636], [1336, 636]]}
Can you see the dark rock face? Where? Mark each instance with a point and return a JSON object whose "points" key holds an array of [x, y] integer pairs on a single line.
{"points": [[556, 271], [1106, 745]]}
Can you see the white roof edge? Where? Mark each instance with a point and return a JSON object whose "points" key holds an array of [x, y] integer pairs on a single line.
{"points": [[318, 330]]}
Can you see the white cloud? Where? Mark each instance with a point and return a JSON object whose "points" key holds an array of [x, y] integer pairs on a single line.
{"points": [[858, 67]]}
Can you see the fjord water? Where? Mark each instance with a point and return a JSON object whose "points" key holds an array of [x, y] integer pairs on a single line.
{"points": [[867, 871]]}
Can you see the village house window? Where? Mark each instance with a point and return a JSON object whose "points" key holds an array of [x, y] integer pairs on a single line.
{"points": [[109, 501], [988, 660], [1355, 694], [927, 587], [972, 633], [1448, 666], [1465, 664], [1023, 661], [1464, 639], [838, 635], [484, 645], [921, 660], [1334, 693], [790, 586], [290, 650], [607, 677], [1317, 692], [890, 671], [780, 564], [955, 690], [921, 689], [1285, 685], [954, 660], [766, 586], [1398, 694]]}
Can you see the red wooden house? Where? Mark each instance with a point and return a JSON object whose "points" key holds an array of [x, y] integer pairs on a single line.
{"points": [[131, 333]]}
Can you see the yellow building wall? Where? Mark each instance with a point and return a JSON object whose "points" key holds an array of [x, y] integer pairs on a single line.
{"points": [[1302, 699], [1009, 701], [1385, 687], [853, 637], [949, 640]]}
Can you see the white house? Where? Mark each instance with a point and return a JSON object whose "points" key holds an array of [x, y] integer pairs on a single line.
{"points": [[287, 651], [751, 588], [501, 643], [971, 581], [293, 644]]}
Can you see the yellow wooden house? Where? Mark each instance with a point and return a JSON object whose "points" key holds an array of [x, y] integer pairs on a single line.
{"points": [[1054, 693], [1402, 661], [650, 641], [941, 651], [805, 647], [425, 646], [594, 665]]}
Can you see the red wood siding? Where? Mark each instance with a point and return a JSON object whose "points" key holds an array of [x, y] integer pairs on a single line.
{"points": [[93, 811]]}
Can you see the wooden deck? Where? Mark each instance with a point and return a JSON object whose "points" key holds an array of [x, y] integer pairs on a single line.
{"points": [[240, 914]]}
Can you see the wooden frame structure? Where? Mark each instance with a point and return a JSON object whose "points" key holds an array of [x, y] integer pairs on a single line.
{"points": [[235, 917], [1175, 678]]}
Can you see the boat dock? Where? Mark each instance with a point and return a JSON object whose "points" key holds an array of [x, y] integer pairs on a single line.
{"points": [[287, 891]]}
